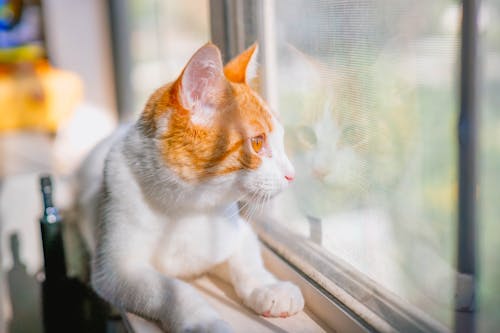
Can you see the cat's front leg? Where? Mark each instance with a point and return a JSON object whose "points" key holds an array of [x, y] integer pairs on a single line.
{"points": [[258, 288], [122, 277], [174, 304]]}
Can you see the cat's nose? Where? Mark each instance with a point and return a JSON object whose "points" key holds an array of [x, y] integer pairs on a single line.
{"points": [[289, 171], [290, 175]]}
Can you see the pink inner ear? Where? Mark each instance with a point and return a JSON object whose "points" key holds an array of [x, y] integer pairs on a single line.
{"points": [[202, 80], [199, 80]]}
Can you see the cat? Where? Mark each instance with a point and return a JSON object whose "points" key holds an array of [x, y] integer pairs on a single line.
{"points": [[165, 191]]}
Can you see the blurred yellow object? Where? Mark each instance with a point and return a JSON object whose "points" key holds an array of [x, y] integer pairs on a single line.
{"points": [[29, 52], [39, 101]]}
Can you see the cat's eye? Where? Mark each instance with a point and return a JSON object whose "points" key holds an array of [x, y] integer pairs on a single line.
{"points": [[257, 142]]}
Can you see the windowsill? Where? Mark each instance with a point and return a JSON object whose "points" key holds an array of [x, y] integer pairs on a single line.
{"points": [[223, 298], [322, 314], [342, 297]]}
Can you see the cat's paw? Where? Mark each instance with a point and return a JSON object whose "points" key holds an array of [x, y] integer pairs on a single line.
{"points": [[213, 326], [281, 299]]}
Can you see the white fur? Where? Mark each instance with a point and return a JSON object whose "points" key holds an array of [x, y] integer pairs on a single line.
{"points": [[153, 228], [203, 115]]}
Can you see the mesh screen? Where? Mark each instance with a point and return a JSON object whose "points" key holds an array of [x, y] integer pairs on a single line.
{"points": [[489, 162], [367, 91]]}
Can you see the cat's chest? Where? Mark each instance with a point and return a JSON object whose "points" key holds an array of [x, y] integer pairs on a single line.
{"points": [[196, 243]]}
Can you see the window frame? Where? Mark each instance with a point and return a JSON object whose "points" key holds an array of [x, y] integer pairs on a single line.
{"points": [[119, 26], [467, 129]]}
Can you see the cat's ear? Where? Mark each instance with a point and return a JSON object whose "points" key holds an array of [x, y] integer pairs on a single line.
{"points": [[243, 68], [203, 84]]}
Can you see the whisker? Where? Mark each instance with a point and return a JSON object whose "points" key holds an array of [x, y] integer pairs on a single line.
{"points": [[252, 206], [240, 208], [247, 203]]}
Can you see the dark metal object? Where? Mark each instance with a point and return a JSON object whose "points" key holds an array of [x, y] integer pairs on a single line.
{"points": [[52, 242], [68, 304], [54, 285], [465, 319]]}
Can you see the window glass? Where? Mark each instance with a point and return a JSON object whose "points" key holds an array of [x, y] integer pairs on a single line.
{"points": [[489, 168], [164, 34], [367, 91]]}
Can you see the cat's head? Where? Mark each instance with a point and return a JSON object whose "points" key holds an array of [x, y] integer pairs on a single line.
{"points": [[213, 128]]}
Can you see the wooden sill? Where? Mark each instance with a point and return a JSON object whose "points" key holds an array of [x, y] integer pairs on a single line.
{"points": [[223, 298]]}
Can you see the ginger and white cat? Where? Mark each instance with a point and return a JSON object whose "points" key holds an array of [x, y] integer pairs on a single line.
{"points": [[166, 204]]}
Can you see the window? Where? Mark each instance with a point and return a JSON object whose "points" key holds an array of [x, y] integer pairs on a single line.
{"points": [[159, 35], [368, 92]]}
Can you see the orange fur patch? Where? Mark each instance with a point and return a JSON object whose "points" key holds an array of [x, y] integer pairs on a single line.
{"points": [[235, 70], [196, 153]]}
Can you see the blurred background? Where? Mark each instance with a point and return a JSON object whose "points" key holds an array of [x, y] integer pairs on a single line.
{"points": [[368, 93], [61, 63]]}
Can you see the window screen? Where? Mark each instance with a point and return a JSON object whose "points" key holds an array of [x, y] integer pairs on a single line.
{"points": [[367, 91], [489, 168]]}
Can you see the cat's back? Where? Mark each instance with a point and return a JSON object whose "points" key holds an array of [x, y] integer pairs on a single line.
{"points": [[93, 165], [90, 179]]}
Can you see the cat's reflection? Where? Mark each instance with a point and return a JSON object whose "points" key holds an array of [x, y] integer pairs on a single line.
{"points": [[24, 291]]}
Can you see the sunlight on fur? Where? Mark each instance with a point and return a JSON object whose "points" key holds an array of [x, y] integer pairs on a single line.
{"points": [[161, 198]]}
